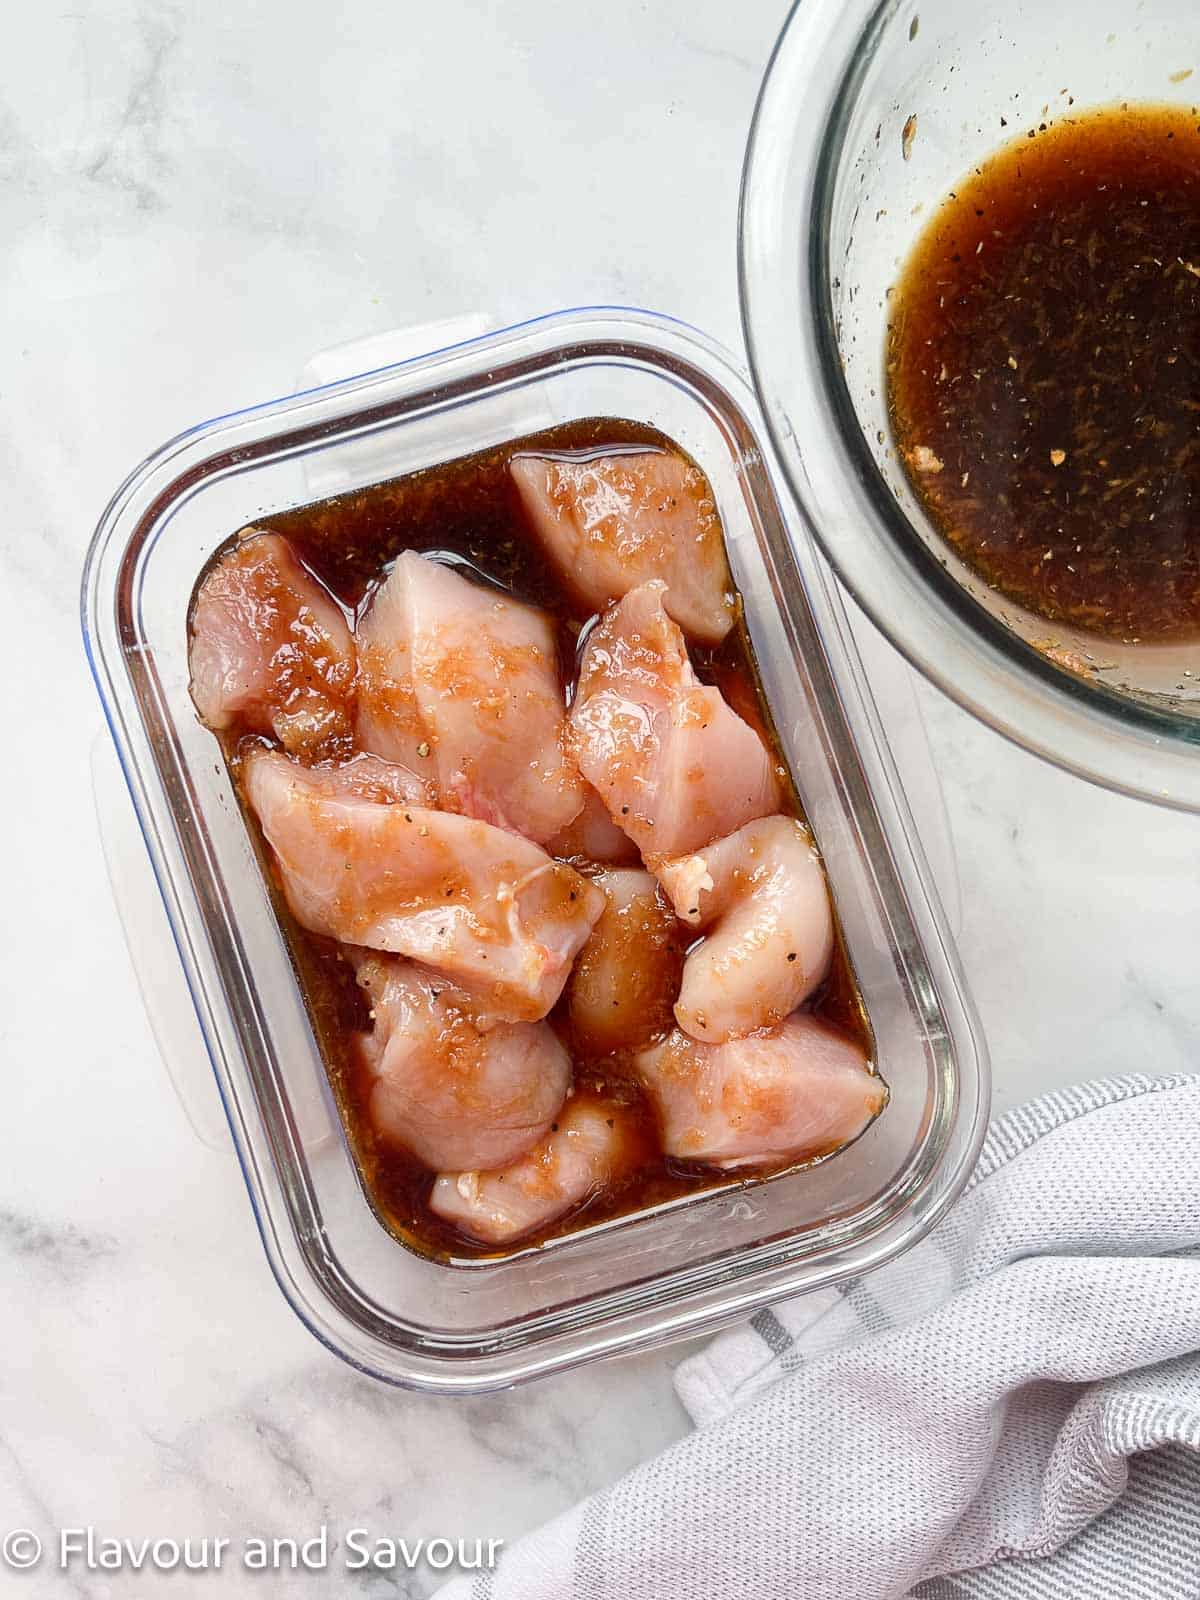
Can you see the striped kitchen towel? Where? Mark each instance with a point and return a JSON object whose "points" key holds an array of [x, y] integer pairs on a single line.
{"points": [[1010, 1410]]}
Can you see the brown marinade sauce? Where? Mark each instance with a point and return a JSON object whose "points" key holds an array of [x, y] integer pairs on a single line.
{"points": [[468, 510], [1043, 365]]}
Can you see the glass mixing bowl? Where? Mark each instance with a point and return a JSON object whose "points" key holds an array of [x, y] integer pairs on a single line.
{"points": [[839, 181]]}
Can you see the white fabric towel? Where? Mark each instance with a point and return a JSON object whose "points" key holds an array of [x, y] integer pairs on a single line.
{"points": [[1025, 1383]]}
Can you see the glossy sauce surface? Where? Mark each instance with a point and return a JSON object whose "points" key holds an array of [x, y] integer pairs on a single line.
{"points": [[1043, 365], [468, 512]]}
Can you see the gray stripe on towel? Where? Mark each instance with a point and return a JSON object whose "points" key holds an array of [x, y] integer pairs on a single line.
{"points": [[771, 1331]]}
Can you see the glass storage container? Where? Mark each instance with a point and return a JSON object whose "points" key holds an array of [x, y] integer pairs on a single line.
{"points": [[637, 1280]]}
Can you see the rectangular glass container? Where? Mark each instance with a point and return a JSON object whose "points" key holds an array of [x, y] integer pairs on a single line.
{"points": [[635, 1280]]}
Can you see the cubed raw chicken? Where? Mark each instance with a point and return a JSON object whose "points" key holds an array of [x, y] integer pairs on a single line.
{"points": [[593, 836], [452, 1092], [594, 1143], [800, 1091], [612, 522], [486, 908], [762, 895], [367, 776], [387, 718], [270, 650], [674, 764], [627, 974], [455, 674]]}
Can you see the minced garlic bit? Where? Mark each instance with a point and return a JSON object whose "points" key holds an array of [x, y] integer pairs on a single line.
{"points": [[924, 460], [423, 748], [1065, 658], [1057, 457], [907, 134]]}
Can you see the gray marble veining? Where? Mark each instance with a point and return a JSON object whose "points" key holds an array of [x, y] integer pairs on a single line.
{"points": [[194, 200]]}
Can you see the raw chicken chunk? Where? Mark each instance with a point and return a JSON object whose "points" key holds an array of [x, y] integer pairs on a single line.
{"points": [[627, 974], [369, 777], [674, 764], [800, 1091], [612, 522], [388, 721], [762, 894], [270, 649], [453, 1093], [484, 907], [593, 836], [459, 676], [594, 1142]]}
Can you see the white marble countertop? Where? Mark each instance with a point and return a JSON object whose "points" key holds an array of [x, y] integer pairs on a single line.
{"points": [[196, 199]]}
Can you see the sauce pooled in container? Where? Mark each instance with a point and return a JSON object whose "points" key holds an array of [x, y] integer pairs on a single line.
{"points": [[537, 1010]]}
